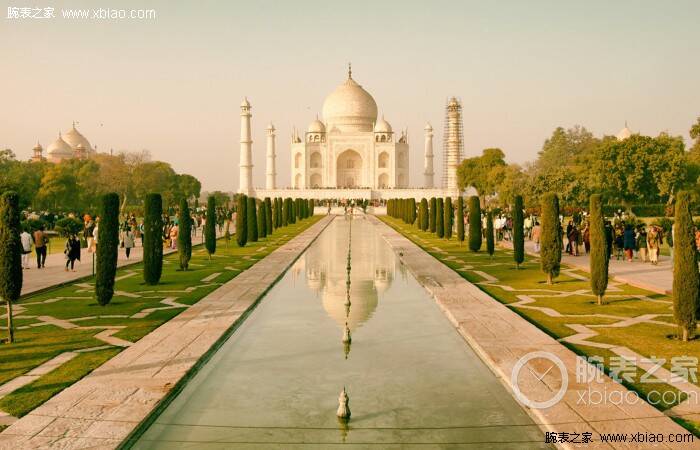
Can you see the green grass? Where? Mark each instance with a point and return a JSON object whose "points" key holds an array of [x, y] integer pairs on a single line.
{"points": [[650, 340], [37, 344]]}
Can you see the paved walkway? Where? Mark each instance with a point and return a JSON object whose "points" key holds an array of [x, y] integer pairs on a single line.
{"points": [[55, 274], [657, 278], [502, 338], [105, 407]]}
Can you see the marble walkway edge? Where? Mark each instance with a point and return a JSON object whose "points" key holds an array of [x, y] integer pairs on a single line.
{"points": [[105, 407], [501, 337]]}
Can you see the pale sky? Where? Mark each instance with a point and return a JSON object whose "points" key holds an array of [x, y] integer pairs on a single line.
{"points": [[173, 85]]}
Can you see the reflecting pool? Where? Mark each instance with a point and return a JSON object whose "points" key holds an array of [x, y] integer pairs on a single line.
{"points": [[410, 377]]}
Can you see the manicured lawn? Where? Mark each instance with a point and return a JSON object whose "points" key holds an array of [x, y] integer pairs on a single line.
{"points": [[68, 318], [571, 297]]}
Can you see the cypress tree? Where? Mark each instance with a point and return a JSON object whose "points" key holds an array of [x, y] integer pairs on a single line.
{"points": [[10, 255], [432, 214], [448, 217], [423, 214], [490, 245], [107, 248], [474, 224], [297, 209], [290, 209], [312, 205], [413, 210], [460, 219], [599, 260], [210, 226], [439, 218], [152, 239], [242, 220], [262, 221], [268, 216], [184, 235], [284, 212], [550, 239], [686, 279], [252, 220], [518, 231]]}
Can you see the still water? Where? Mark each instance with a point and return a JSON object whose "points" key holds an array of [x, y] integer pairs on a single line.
{"points": [[410, 377]]}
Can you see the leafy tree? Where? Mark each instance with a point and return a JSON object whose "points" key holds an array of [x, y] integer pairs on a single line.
{"points": [[448, 219], [440, 218], [252, 220], [476, 172], [686, 279], [210, 226], [184, 235], [432, 214], [152, 239], [460, 219], [474, 223], [599, 260], [242, 220], [490, 244], [550, 239], [10, 255], [69, 226], [107, 248], [262, 221], [268, 215], [518, 233]]}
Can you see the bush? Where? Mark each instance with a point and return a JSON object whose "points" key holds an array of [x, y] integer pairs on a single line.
{"points": [[10, 255], [31, 225], [474, 224], [460, 219], [252, 214], [686, 279], [242, 220], [447, 220], [184, 235], [152, 239], [432, 213], [599, 253], [107, 248], [550, 247], [518, 233], [440, 218], [210, 226], [69, 226], [490, 244]]}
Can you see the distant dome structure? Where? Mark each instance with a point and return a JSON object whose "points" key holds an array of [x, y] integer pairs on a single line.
{"points": [[59, 150], [624, 133], [349, 107], [317, 127], [74, 139]]}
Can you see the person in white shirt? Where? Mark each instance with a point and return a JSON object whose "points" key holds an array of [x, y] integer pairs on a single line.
{"points": [[26, 240]]}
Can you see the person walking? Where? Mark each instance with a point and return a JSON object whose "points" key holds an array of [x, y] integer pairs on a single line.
{"points": [[40, 241], [653, 243], [642, 243], [129, 241], [26, 240], [619, 242], [174, 230], [628, 242], [587, 238], [536, 234], [89, 232], [72, 252]]}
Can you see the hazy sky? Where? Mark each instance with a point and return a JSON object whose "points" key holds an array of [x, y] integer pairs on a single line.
{"points": [[173, 85]]}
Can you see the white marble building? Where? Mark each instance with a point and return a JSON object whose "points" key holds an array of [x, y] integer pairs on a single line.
{"points": [[351, 153]]}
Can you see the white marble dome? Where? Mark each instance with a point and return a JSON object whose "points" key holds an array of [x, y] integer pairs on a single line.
{"points": [[350, 108], [382, 126], [624, 133], [317, 127], [59, 150], [74, 138]]}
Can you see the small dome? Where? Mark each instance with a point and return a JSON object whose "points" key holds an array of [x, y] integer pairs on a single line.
{"points": [[38, 147], [271, 127], [317, 127], [624, 133], [382, 126], [245, 103], [74, 138], [428, 127], [59, 150]]}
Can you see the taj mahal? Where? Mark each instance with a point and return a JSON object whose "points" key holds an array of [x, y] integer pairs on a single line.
{"points": [[351, 153]]}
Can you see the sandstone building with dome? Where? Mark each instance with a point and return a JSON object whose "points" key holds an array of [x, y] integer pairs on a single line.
{"points": [[351, 152]]}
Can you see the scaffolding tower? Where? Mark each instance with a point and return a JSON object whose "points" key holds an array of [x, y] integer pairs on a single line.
{"points": [[452, 143]]}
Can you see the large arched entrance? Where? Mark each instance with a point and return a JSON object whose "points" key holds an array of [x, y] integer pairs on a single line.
{"points": [[349, 169]]}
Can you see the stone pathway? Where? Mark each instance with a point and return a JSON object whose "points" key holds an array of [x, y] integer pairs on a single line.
{"points": [[501, 338], [102, 409]]}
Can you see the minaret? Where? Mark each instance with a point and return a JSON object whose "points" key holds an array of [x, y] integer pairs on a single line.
{"points": [[246, 158], [271, 170], [453, 143], [429, 173], [38, 150]]}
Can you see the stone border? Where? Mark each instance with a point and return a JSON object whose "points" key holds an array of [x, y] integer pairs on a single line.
{"points": [[106, 407], [501, 337]]}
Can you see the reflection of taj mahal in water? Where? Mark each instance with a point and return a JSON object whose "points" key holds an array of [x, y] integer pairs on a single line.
{"points": [[352, 153], [324, 266]]}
